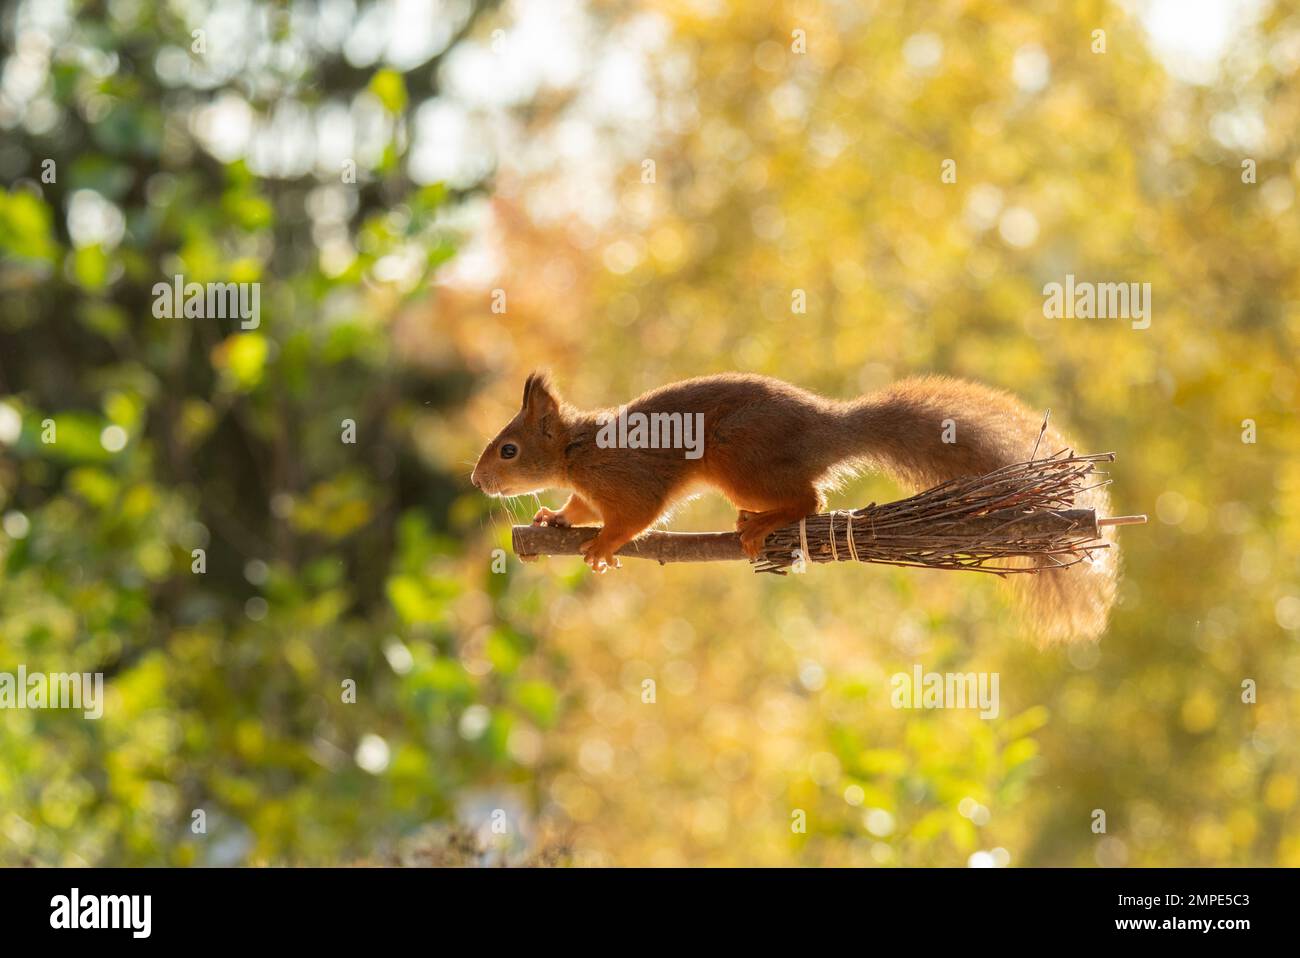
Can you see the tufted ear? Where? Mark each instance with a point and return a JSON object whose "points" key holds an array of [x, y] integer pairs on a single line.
{"points": [[540, 398]]}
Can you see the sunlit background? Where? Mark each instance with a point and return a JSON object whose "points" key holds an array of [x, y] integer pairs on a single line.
{"points": [[437, 198]]}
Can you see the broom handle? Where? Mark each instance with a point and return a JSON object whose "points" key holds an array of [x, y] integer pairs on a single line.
{"points": [[1122, 521], [532, 541]]}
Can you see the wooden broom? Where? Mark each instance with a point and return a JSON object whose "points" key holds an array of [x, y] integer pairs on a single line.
{"points": [[977, 523]]}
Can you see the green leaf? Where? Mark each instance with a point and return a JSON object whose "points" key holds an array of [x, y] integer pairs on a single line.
{"points": [[90, 267], [26, 227], [537, 700], [243, 358], [389, 86]]}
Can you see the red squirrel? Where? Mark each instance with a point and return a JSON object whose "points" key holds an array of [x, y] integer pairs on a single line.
{"points": [[774, 450]]}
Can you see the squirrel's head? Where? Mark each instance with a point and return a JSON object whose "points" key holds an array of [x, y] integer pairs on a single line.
{"points": [[527, 456]]}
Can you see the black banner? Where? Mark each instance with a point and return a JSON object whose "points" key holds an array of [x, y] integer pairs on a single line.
{"points": [[334, 907]]}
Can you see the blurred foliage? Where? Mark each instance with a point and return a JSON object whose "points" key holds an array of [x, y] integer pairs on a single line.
{"points": [[521, 693], [775, 171], [323, 562]]}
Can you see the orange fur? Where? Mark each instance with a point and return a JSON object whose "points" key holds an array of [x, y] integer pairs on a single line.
{"points": [[774, 450]]}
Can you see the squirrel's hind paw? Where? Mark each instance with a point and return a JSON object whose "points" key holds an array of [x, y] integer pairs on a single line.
{"points": [[753, 532], [599, 559], [752, 544]]}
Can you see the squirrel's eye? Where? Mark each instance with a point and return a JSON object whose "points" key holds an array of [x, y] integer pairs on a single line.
{"points": [[509, 451]]}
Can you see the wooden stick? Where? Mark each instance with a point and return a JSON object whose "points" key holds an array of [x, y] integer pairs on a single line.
{"points": [[660, 546], [1122, 521], [724, 546]]}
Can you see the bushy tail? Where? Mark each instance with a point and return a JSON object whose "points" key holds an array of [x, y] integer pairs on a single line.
{"points": [[928, 430]]}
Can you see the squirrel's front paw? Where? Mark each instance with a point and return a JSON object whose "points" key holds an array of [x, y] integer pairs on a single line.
{"points": [[600, 559], [549, 517]]}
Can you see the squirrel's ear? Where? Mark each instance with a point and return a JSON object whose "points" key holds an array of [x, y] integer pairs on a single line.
{"points": [[539, 394]]}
